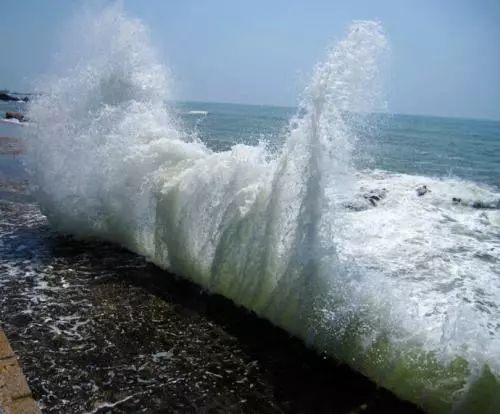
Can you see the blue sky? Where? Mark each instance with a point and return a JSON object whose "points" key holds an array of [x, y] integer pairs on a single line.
{"points": [[445, 53]]}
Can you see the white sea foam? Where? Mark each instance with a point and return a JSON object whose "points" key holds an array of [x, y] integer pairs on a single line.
{"points": [[197, 113], [406, 292], [13, 121]]}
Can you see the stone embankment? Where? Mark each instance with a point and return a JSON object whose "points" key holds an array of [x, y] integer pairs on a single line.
{"points": [[15, 394]]}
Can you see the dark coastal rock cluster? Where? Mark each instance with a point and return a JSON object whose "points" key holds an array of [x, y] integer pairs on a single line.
{"points": [[371, 199], [15, 115], [478, 204], [4, 96], [422, 190], [366, 200], [482, 205]]}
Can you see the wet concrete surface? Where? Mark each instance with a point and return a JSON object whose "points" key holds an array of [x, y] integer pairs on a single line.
{"points": [[100, 330]]}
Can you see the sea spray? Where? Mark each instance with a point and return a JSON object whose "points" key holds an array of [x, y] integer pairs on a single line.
{"points": [[268, 230]]}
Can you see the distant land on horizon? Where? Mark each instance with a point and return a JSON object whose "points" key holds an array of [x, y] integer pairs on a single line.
{"points": [[291, 107]]}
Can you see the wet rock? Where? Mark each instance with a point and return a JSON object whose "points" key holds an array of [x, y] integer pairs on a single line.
{"points": [[6, 97], [480, 205], [374, 196], [485, 205], [15, 115], [422, 190], [356, 205], [367, 200]]}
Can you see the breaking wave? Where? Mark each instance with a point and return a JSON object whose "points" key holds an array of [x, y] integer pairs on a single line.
{"points": [[404, 289]]}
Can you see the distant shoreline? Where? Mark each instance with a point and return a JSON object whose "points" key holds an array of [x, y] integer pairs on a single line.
{"points": [[289, 107]]}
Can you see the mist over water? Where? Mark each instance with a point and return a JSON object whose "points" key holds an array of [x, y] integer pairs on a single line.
{"points": [[407, 291]]}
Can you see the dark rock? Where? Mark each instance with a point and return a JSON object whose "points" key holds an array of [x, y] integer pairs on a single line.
{"points": [[6, 97], [15, 115], [486, 206], [480, 205], [366, 200], [375, 195], [422, 190], [356, 205]]}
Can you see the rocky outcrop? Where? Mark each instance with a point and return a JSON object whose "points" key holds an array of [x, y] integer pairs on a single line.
{"points": [[366, 200], [6, 97], [422, 190], [481, 205], [15, 115], [374, 196], [369, 199]]}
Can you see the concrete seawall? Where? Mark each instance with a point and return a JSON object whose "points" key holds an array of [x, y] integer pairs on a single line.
{"points": [[15, 394]]}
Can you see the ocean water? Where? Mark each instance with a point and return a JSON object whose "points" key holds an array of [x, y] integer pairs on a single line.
{"points": [[310, 217], [467, 149]]}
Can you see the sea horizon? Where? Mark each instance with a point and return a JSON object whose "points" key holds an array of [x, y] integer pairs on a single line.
{"points": [[294, 107]]}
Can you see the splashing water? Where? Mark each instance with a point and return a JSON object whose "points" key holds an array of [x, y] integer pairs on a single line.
{"points": [[268, 230]]}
